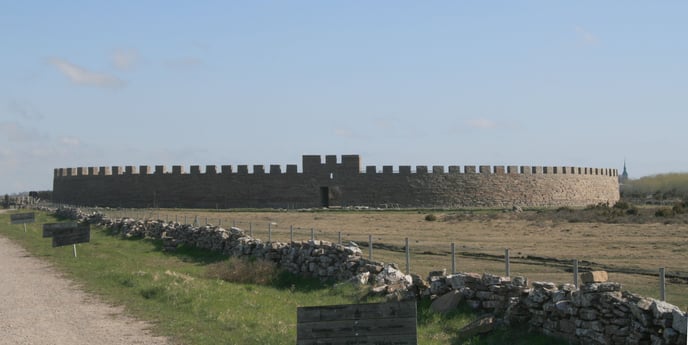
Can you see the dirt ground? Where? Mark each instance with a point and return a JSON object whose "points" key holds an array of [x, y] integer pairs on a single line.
{"points": [[541, 247], [38, 306]]}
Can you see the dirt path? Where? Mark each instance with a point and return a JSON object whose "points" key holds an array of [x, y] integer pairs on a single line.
{"points": [[38, 306]]}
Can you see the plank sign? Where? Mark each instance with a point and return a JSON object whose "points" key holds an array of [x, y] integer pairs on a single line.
{"points": [[23, 218], [371, 324], [49, 228], [71, 235]]}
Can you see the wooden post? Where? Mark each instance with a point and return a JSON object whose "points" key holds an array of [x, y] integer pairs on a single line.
{"points": [[312, 234], [291, 233], [269, 232], [185, 220], [662, 285], [575, 273], [370, 247], [206, 220], [453, 258], [408, 257], [219, 222], [339, 240], [74, 249], [250, 229], [234, 223], [508, 264]]}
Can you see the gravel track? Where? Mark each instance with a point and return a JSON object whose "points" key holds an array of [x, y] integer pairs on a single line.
{"points": [[39, 306]]}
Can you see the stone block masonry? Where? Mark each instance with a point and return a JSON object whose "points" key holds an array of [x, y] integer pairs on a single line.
{"points": [[333, 183], [597, 313]]}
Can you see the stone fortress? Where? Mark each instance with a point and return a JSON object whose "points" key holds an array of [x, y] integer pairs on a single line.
{"points": [[334, 183]]}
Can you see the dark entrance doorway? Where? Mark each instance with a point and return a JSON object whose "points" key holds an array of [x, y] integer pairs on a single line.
{"points": [[325, 196]]}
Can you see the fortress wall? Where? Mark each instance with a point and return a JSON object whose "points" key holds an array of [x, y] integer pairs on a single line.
{"points": [[341, 183]]}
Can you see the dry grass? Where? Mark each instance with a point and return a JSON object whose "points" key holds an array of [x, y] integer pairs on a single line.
{"points": [[631, 250], [244, 271]]}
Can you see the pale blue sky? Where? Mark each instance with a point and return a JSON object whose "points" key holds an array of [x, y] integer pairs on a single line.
{"points": [[577, 83]]}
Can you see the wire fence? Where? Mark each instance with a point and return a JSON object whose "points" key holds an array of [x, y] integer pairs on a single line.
{"points": [[423, 257]]}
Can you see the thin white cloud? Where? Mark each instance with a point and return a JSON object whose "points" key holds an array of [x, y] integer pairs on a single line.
{"points": [[185, 62], [82, 76], [125, 60], [586, 36], [481, 123], [344, 133], [70, 141], [24, 110], [16, 133]]}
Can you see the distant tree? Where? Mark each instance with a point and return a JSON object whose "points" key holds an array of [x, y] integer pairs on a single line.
{"points": [[6, 203]]}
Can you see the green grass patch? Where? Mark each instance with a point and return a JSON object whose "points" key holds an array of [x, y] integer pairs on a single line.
{"points": [[199, 297]]}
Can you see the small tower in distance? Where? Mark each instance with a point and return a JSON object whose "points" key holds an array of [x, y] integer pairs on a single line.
{"points": [[624, 175]]}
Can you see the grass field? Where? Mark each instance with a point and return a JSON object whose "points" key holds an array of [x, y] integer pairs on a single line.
{"points": [[631, 249], [179, 295]]}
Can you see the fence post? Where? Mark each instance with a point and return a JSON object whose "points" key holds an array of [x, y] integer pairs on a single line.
{"points": [[269, 232], [575, 273], [219, 222], [175, 219], [408, 257], [453, 258], [662, 285], [508, 264], [206, 220], [250, 229], [312, 234], [291, 233], [185, 220], [234, 223], [339, 238], [370, 247]]}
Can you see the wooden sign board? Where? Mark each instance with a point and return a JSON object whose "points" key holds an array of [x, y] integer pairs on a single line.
{"points": [[49, 228], [65, 237], [23, 218], [354, 324]]}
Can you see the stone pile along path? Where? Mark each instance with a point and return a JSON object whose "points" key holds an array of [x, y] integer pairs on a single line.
{"points": [[38, 306]]}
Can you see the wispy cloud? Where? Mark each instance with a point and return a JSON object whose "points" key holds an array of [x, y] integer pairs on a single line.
{"points": [[70, 141], [16, 133], [185, 62], [586, 36], [481, 123], [82, 76], [125, 59], [24, 110]]}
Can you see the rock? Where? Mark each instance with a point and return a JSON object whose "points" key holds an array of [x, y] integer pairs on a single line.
{"points": [[447, 302], [481, 326], [594, 277], [679, 321]]}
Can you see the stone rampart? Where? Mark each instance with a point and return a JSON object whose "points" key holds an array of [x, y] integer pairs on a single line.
{"points": [[598, 312], [335, 184]]}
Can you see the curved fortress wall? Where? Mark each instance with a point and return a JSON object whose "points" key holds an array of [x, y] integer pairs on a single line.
{"points": [[333, 183]]}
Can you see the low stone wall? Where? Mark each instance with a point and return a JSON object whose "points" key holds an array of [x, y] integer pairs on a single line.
{"points": [[597, 313]]}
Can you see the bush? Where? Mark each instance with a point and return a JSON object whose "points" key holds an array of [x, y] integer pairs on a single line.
{"points": [[244, 271], [633, 211], [664, 212], [622, 205], [430, 217], [679, 208]]}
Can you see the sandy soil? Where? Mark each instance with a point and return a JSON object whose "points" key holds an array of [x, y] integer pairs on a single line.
{"points": [[38, 306]]}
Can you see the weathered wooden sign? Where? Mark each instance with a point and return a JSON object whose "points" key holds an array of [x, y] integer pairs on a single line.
{"points": [[79, 234], [23, 218], [49, 228], [354, 324]]}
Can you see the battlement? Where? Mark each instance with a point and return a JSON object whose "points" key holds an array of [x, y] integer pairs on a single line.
{"points": [[349, 164], [335, 181]]}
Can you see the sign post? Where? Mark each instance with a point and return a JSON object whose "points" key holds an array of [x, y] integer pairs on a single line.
{"points": [[381, 323], [23, 218], [64, 234]]}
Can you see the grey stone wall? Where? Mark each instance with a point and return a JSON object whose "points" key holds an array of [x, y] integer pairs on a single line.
{"points": [[335, 184], [598, 312]]}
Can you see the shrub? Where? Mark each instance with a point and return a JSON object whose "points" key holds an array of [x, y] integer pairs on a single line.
{"points": [[664, 212], [622, 205], [430, 217], [679, 208], [633, 211], [244, 271]]}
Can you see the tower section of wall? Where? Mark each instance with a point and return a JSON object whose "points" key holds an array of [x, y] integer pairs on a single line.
{"points": [[333, 183]]}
